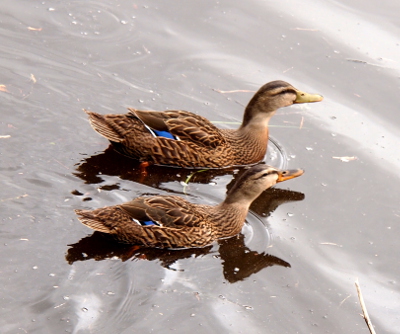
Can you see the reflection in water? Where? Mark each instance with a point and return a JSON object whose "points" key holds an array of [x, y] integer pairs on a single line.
{"points": [[101, 246], [238, 260], [112, 163], [270, 199]]}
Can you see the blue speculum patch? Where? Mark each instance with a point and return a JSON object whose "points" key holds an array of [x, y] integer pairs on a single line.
{"points": [[149, 222], [165, 134], [146, 223]]}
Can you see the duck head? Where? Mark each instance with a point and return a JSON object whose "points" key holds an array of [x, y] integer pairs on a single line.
{"points": [[275, 95], [257, 179]]}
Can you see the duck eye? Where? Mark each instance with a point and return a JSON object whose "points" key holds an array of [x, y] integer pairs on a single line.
{"points": [[267, 173], [262, 176]]}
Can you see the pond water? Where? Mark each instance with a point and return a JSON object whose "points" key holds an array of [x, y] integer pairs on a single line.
{"points": [[293, 268]]}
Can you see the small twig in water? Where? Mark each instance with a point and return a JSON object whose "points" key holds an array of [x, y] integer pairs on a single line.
{"points": [[341, 303], [271, 125], [34, 29], [345, 159], [186, 182], [233, 91], [364, 309], [13, 198], [329, 243], [304, 29], [366, 63], [301, 122], [60, 163], [223, 122], [288, 69]]}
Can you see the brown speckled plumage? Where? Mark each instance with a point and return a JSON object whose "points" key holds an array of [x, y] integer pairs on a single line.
{"points": [[179, 223], [201, 144]]}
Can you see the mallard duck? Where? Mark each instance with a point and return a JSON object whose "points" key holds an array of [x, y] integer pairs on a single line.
{"points": [[173, 222], [181, 138]]}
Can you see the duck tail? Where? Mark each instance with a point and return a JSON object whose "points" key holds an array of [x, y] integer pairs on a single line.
{"points": [[113, 127], [92, 219]]}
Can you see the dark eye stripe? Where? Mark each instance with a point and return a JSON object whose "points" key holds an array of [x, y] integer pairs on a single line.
{"points": [[267, 173], [288, 90]]}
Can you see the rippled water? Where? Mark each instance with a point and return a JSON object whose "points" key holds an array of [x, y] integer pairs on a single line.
{"points": [[292, 270]]}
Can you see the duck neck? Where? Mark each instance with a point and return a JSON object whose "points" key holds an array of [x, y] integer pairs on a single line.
{"points": [[259, 119], [240, 196], [258, 107], [233, 212], [256, 126], [235, 207]]}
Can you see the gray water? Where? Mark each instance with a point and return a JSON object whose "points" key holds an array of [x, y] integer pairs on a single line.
{"points": [[293, 268]]}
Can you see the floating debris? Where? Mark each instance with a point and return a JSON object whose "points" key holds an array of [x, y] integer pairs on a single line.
{"points": [[304, 29], [233, 91], [364, 308], [301, 122], [34, 29], [329, 243], [345, 159], [12, 198]]}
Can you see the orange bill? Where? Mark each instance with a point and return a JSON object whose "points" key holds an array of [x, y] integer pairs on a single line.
{"points": [[289, 174]]}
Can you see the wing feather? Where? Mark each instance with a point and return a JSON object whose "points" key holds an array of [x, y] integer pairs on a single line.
{"points": [[187, 126], [168, 211]]}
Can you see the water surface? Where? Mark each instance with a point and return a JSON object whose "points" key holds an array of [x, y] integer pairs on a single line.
{"points": [[293, 268]]}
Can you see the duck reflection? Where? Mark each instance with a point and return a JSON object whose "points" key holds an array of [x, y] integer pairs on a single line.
{"points": [[100, 246], [112, 163], [239, 262], [237, 259]]}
